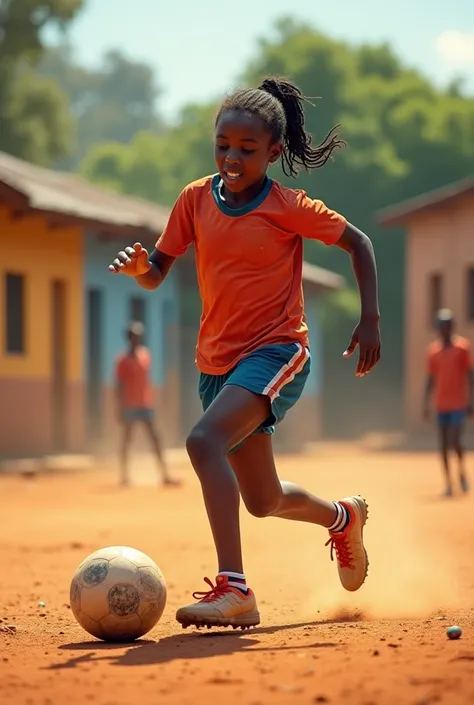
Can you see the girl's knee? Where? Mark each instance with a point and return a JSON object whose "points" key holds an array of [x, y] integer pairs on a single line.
{"points": [[202, 445], [262, 507]]}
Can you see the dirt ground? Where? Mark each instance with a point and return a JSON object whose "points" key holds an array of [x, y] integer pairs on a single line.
{"points": [[384, 645]]}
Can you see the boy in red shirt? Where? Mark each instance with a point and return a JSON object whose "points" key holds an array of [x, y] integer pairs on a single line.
{"points": [[450, 378], [135, 399]]}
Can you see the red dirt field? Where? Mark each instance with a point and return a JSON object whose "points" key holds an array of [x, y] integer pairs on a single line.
{"points": [[384, 645]]}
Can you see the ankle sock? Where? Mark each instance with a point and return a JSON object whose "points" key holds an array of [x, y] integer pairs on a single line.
{"points": [[236, 580], [342, 518]]}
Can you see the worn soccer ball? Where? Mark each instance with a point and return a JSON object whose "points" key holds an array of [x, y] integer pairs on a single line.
{"points": [[118, 594]]}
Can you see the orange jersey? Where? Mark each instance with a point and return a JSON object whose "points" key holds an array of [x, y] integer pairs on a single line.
{"points": [[249, 265], [450, 366], [133, 373]]}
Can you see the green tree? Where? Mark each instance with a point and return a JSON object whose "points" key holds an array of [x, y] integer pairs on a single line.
{"points": [[111, 103], [404, 136], [34, 117], [156, 167]]}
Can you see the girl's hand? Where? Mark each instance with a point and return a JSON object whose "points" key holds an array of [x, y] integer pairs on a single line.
{"points": [[366, 335], [133, 261]]}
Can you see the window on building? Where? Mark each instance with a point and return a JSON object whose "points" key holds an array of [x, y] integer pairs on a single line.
{"points": [[435, 296], [14, 314], [470, 294]]}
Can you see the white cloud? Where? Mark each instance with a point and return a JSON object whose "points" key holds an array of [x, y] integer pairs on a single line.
{"points": [[456, 47]]}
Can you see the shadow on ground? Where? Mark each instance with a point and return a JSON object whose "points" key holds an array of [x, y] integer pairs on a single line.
{"points": [[194, 645]]}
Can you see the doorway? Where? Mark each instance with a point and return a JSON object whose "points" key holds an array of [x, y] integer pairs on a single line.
{"points": [[59, 361], [94, 364]]}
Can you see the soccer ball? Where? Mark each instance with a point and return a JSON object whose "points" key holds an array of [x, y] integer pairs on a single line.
{"points": [[117, 594]]}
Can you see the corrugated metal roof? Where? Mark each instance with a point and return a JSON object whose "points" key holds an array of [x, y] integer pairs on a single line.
{"points": [[401, 212], [70, 195]]}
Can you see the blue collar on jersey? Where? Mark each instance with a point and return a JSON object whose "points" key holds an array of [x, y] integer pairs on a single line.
{"points": [[235, 212]]}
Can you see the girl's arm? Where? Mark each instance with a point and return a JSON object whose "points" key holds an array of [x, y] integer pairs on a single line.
{"points": [[361, 252], [366, 334], [160, 265]]}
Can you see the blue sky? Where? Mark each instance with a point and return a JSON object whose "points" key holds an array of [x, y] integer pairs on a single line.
{"points": [[199, 47]]}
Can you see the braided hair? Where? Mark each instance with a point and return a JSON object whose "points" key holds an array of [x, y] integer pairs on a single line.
{"points": [[279, 103]]}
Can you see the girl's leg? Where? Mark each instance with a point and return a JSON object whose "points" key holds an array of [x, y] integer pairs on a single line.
{"points": [[231, 417], [276, 373], [264, 495]]}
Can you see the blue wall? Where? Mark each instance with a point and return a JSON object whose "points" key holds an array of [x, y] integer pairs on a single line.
{"points": [[162, 308], [117, 292], [313, 384]]}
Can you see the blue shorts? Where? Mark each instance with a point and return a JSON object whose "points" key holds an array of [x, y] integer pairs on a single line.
{"points": [[451, 418], [142, 414], [277, 371]]}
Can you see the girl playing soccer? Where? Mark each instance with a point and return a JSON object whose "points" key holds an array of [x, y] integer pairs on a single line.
{"points": [[252, 349]]}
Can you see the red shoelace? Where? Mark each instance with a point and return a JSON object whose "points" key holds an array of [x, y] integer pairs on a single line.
{"points": [[340, 545], [214, 593]]}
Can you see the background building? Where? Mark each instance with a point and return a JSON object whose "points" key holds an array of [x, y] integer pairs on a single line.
{"points": [[439, 272], [63, 317]]}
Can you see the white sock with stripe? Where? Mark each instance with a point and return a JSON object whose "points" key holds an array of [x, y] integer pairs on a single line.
{"points": [[236, 580], [342, 518]]}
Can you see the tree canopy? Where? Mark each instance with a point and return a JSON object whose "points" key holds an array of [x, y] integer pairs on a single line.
{"points": [[34, 120], [112, 102], [404, 136]]}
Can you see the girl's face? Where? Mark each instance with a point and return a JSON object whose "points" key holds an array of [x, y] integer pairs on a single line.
{"points": [[243, 150]]}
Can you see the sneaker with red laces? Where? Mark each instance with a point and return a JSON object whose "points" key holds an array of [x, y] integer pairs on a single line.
{"points": [[352, 560], [221, 606]]}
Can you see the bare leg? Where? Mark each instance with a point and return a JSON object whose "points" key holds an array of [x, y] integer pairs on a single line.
{"points": [[152, 433], [456, 435], [263, 493], [127, 428], [232, 416], [444, 435]]}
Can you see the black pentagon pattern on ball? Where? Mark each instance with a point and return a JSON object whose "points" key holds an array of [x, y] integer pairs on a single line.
{"points": [[75, 592], [96, 572], [124, 599], [149, 581]]}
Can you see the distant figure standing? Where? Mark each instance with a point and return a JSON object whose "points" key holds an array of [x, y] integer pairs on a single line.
{"points": [[135, 400], [450, 377]]}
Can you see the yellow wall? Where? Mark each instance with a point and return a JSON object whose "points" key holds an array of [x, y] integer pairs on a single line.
{"points": [[29, 247]]}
